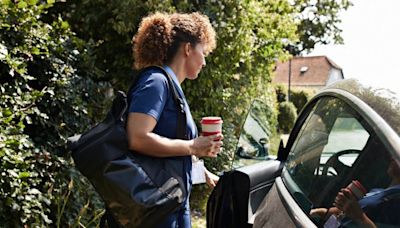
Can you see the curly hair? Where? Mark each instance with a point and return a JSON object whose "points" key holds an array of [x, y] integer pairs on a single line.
{"points": [[159, 36]]}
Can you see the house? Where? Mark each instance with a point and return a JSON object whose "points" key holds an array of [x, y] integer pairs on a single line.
{"points": [[313, 72]]}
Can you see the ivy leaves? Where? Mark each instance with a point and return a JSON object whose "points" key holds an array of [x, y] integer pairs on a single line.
{"points": [[39, 63]]}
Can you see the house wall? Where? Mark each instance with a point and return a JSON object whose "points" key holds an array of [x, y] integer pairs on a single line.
{"points": [[313, 87], [334, 75]]}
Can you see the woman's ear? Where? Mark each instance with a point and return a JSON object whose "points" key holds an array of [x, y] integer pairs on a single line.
{"points": [[187, 48]]}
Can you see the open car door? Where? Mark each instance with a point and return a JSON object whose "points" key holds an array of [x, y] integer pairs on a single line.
{"points": [[240, 191]]}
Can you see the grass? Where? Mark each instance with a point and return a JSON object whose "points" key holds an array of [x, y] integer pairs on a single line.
{"points": [[198, 220]]}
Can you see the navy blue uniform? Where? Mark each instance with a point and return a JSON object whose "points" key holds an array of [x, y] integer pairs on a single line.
{"points": [[152, 96]]}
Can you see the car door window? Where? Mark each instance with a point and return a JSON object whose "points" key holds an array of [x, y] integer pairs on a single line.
{"points": [[334, 147], [345, 141], [325, 137]]}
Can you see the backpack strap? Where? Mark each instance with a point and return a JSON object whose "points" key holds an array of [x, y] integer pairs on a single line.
{"points": [[180, 105]]}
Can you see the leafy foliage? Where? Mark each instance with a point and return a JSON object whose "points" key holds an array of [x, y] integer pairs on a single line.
{"points": [[299, 97], [287, 116], [108, 26], [44, 98], [53, 83], [281, 92], [236, 71], [318, 23]]}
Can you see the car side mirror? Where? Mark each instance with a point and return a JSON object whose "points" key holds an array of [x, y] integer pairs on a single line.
{"points": [[258, 151], [240, 152]]}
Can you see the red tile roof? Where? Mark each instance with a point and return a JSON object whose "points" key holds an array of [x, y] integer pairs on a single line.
{"points": [[315, 71]]}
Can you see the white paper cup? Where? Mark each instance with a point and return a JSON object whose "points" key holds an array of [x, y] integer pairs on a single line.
{"points": [[357, 189], [211, 125]]}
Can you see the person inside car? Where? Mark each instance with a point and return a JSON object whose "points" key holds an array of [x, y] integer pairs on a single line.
{"points": [[378, 206]]}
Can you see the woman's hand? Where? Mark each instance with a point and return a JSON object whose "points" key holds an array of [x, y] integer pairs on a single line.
{"points": [[211, 178], [346, 202], [206, 146]]}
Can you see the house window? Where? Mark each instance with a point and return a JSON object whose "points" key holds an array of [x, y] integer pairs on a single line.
{"points": [[303, 69]]}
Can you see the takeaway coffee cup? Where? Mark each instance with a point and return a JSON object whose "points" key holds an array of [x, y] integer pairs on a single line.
{"points": [[357, 189], [211, 125]]}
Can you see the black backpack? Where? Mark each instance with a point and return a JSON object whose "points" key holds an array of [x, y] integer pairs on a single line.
{"points": [[139, 190]]}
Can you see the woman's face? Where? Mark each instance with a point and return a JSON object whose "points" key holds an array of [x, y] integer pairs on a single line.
{"points": [[196, 61]]}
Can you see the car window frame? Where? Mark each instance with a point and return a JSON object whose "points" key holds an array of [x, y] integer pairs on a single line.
{"points": [[379, 127], [386, 134], [302, 190]]}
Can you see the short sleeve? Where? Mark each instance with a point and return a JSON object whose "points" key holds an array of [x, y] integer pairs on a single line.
{"points": [[149, 95]]}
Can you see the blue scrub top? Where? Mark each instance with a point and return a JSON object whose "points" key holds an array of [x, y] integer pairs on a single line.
{"points": [[382, 206], [152, 96]]}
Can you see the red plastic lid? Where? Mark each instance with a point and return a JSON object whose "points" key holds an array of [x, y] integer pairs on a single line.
{"points": [[360, 186], [211, 120]]}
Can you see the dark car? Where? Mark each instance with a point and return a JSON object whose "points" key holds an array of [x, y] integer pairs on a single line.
{"points": [[347, 133]]}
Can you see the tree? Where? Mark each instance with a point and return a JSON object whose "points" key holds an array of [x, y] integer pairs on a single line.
{"points": [[58, 59], [318, 23], [108, 26], [287, 117], [46, 95], [252, 36]]}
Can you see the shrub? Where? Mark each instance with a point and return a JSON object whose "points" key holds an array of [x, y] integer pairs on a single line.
{"points": [[51, 88], [299, 97], [45, 92], [287, 116], [281, 92], [250, 36]]}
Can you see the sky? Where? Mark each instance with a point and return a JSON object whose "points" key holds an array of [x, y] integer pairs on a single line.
{"points": [[371, 33]]}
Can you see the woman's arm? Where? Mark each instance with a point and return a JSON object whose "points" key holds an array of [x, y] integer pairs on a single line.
{"points": [[346, 202], [143, 140], [325, 213]]}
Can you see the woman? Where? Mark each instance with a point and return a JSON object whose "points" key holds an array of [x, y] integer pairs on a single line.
{"points": [[179, 43]]}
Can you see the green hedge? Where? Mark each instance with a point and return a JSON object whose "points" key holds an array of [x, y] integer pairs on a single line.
{"points": [[300, 97], [51, 87], [45, 95], [287, 116], [58, 60], [281, 92]]}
